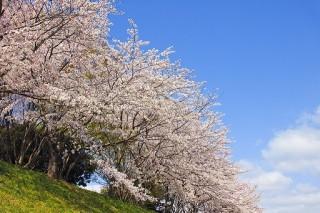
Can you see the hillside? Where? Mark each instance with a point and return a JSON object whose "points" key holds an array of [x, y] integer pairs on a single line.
{"points": [[28, 191]]}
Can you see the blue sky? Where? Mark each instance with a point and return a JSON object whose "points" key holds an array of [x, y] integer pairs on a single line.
{"points": [[263, 60]]}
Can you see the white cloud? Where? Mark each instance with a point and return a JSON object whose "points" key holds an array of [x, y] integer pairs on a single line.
{"points": [[294, 157], [264, 180], [292, 201], [310, 118], [306, 188], [96, 187], [297, 149], [96, 184], [279, 193], [271, 180]]}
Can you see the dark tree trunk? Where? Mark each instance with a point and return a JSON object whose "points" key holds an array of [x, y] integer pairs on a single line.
{"points": [[54, 162], [11, 158], [34, 155], [1, 10]]}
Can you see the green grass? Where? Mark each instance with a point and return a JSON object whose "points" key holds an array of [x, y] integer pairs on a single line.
{"points": [[28, 191]]}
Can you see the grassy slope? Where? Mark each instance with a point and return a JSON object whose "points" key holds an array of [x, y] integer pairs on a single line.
{"points": [[28, 191]]}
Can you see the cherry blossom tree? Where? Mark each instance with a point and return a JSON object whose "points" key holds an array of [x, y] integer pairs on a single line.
{"points": [[170, 135], [42, 45]]}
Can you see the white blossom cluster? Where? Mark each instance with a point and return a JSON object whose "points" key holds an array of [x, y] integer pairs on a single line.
{"points": [[141, 116]]}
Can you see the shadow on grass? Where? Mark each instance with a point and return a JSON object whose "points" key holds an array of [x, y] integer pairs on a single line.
{"points": [[3, 168]]}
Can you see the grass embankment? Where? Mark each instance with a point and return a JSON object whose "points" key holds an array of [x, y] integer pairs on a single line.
{"points": [[28, 191]]}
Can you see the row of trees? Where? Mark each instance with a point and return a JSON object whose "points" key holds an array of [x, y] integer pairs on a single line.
{"points": [[72, 101]]}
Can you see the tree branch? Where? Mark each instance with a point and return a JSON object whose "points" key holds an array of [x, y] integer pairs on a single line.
{"points": [[1, 10]]}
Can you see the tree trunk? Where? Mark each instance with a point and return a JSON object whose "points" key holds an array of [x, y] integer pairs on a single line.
{"points": [[54, 162], [34, 155], [0, 7], [11, 158]]}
